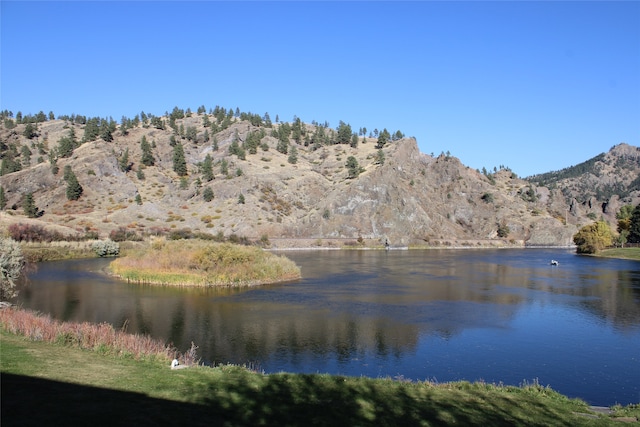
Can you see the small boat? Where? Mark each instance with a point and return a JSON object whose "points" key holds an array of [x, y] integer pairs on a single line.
{"points": [[554, 262]]}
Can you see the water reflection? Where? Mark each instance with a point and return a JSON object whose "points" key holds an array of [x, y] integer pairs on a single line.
{"points": [[498, 315]]}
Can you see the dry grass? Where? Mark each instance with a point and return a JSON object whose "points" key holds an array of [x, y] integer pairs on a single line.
{"points": [[203, 263], [102, 337]]}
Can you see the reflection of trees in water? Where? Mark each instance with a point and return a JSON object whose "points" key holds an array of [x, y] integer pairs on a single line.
{"points": [[611, 295], [237, 337], [618, 298], [143, 326], [176, 333], [71, 302]]}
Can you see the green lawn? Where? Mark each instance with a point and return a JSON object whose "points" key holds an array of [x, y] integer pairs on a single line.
{"points": [[51, 384], [625, 253]]}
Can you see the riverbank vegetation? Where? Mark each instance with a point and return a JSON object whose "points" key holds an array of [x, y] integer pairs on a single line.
{"points": [[48, 365], [597, 237], [203, 263], [102, 338]]}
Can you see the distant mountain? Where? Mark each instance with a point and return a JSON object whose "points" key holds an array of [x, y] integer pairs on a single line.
{"points": [[601, 184], [293, 184], [616, 173]]}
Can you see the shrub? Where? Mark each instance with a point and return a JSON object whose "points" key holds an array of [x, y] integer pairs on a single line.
{"points": [[33, 233], [593, 237], [503, 230], [528, 195], [104, 248], [207, 194], [122, 234], [487, 197], [11, 266], [184, 233]]}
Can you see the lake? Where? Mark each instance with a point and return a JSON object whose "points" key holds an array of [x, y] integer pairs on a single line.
{"points": [[500, 316]]}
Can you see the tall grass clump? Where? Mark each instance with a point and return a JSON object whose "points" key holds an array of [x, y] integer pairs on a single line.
{"points": [[101, 337], [204, 263]]}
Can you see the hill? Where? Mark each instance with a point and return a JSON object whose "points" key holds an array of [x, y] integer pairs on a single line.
{"points": [[290, 184], [600, 185]]}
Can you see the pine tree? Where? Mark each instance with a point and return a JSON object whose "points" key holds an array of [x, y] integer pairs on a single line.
{"points": [[634, 226], [283, 146], [354, 141], [207, 168], [66, 172], [74, 189], [179, 162], [65, 147], [26, 153], [224, 167], [353, 167], [147, 155], [191, 133], [124, 161], [29, 131], [207, 194], [3, 199], [293, 155], [53, 161], [383, 138], [91, 129], [106, 134], [9, 164], [29, 206], [344, 133]]}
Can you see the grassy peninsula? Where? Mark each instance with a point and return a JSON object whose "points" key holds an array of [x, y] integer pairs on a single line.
{"points": [[203, 263]]}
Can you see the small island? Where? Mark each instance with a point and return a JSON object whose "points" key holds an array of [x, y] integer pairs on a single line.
{"points": [[203, 263]]}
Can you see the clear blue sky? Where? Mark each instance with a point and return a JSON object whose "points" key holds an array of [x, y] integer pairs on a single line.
{"points": [[534, 86]]}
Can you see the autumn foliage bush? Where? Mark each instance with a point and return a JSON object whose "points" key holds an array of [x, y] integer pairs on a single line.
{"points": [[33, 233]]}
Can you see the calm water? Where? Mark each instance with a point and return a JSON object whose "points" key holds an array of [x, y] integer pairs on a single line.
{"points": [[494, 315]]}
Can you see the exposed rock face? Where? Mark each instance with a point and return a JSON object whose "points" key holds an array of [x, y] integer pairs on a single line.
{"points": [[409, 198]]}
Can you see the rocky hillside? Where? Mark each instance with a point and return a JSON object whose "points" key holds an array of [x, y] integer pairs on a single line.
{"points": [[600, 185], [268, 186]]}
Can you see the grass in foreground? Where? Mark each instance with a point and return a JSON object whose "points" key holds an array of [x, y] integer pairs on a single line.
{"points": [[62, 383], [624, 253], [204, 263]]}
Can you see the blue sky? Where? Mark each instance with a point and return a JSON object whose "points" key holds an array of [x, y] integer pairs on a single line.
{"points": [[534, 86]]}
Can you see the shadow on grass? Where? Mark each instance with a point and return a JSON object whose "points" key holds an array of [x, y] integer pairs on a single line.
{"points": [[237, 399], [30, 401]]}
